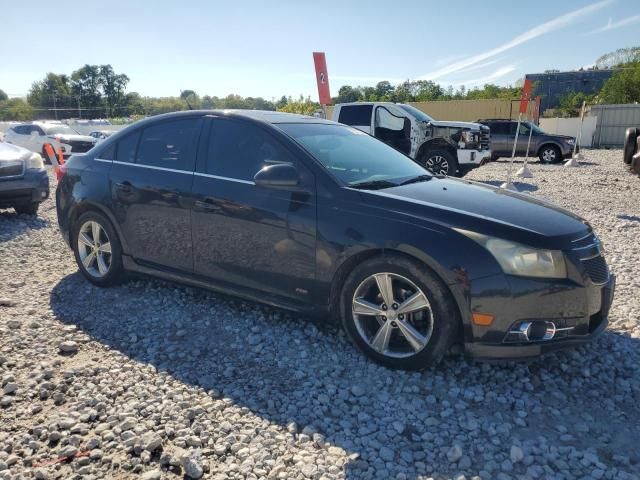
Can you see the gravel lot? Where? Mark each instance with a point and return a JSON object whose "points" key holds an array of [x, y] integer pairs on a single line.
{"points": [[152, 380]]}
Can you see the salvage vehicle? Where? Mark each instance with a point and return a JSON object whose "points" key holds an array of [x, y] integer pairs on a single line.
{"points": [[321, 218], [631, 152], [34, 136], [24, 182], [550, 148], [443, 147]]}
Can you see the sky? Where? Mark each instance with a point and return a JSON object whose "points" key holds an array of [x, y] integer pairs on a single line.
{"points": [[264, 48]]}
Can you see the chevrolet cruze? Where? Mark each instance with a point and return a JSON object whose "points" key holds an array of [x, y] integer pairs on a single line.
{"points": [[321, 218]]}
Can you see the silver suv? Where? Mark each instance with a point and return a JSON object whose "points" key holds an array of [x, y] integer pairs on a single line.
{"points": [[548, 147]]}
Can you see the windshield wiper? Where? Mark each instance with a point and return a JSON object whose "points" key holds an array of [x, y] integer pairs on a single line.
{"points": [[419, 178], [373, 184]]}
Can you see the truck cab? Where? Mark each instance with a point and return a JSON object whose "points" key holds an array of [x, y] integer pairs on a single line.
{"points": [[443, 147]]}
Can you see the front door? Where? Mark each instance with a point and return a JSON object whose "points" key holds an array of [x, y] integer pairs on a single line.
{"points": [[249, 236], [151, 181]]}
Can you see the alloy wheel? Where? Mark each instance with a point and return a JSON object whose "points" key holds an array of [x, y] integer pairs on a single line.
{"points": [[94, 249], [549, 155], [438, 165], [392, 315]]}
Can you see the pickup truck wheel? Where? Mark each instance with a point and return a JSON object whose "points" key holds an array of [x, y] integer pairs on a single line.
{"points": [[550, 154], [397, 313], [27, 208], [630, 144], [440, 162]]}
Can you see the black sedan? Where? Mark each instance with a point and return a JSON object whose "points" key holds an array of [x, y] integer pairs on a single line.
{"points": [[320, 218]]}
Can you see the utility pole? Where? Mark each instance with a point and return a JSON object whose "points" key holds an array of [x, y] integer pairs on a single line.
{"points": [[79, 111], [55, 108]]}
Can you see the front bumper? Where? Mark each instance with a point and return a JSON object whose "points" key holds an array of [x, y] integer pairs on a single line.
{"points": [[32, 187], [580, 311], [473, 158]]}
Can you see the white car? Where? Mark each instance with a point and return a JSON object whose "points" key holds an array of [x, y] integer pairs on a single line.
{"points": [[34, 136]]}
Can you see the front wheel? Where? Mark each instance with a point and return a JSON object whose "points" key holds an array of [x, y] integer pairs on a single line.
{"points": [[550, 154], [440, 162], [97, 249], [630, 144], [398, 314]]}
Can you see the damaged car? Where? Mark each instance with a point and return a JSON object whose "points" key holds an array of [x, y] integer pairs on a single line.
{"points": [[443, 147]]}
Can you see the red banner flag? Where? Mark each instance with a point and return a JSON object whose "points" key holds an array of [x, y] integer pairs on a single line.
{"points": [[322, 77], [526, 96]]}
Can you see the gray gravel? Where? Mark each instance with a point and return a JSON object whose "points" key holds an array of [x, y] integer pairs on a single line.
{"points": [[153, 380]]}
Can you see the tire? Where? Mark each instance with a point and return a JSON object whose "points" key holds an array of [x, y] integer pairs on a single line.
{"points": [[438, 323], [433, 159], [630, 144], [92, 268], [550, 154], [27, 209]]}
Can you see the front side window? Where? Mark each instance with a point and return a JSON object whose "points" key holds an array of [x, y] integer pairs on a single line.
{"points": [[170, 144], [60, 130], [353, 156], [239, 150], [356, 115], [386, 119]]}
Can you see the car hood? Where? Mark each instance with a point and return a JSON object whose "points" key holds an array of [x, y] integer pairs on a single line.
{"points": [[444, 123], [484, 209], [13, 152], [64, 137]]}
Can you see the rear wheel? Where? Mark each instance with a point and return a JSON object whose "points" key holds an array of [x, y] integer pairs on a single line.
{"points": [[27, 208], [97, 249], [630, 144], [440, 162], [398, 314], [550, 154]]}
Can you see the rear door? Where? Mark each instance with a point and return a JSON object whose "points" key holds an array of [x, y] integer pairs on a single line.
{"points": [[358, 116], [500, 138], [248, 236], [151, 182]]}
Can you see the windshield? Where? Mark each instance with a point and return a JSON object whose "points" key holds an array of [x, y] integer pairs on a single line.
{"points": [[352, 156], [60, 130], [419, 114]]}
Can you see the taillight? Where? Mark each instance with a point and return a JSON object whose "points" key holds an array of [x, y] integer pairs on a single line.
{"points": [[60, 171]]}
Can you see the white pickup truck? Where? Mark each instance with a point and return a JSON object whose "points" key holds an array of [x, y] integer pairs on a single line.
{"points": [[443, 147]]}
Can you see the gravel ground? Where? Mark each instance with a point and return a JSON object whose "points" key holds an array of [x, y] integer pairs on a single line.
{"points": [[152, 380]]}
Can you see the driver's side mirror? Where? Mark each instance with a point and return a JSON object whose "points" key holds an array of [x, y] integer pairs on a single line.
{"points": [[282, 176]]}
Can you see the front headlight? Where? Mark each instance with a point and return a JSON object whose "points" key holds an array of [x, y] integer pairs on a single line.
{"points": [[34, 162], [571, 141], [521, 260]]}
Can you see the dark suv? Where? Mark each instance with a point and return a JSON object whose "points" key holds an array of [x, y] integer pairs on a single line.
{"points": [[548, 147], [321, 218]]}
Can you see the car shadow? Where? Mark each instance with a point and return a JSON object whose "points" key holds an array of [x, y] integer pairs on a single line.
{"points": [[285, 368], [631, 218], [13, 225], [522, 187]]}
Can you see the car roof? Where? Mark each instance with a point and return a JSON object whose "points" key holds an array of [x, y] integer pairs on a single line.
{"points": [[265, 116]]}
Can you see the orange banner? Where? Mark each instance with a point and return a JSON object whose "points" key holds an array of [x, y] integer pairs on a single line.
{"points": [[526, 96], [322, 78]]}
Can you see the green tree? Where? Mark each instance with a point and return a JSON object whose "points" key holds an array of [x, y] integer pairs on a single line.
{"points": [[113, 88], [3, 96], [191, 98], [51, 97], [85, 87], [15, 109], [623, 86], [304, 106], [620, 57]]}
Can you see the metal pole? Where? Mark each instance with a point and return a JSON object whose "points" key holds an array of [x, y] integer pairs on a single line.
{"points": [[508, 185], [79, 112], [55, 108]]}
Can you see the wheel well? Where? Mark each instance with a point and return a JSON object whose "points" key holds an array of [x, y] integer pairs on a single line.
{"points": [[340, 277], [435, 144]]}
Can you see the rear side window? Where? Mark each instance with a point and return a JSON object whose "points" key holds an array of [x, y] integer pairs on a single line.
{"points": [[170, 144], [356, 115], [21, 129], [239, 150], [499, 128], [108, 153], [126, 151]]}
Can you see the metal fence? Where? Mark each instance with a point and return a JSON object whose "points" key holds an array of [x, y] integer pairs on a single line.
{"points": [[612, 122]]}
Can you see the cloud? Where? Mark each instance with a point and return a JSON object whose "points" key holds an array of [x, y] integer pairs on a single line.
{"points": [[547, 27], [499, 73], [611, 25]]}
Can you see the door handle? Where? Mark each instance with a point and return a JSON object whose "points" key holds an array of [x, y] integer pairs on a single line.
{"points": [[124, 187]]}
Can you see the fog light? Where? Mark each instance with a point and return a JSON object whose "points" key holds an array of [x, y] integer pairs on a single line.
{"points": [[531, 331]]}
